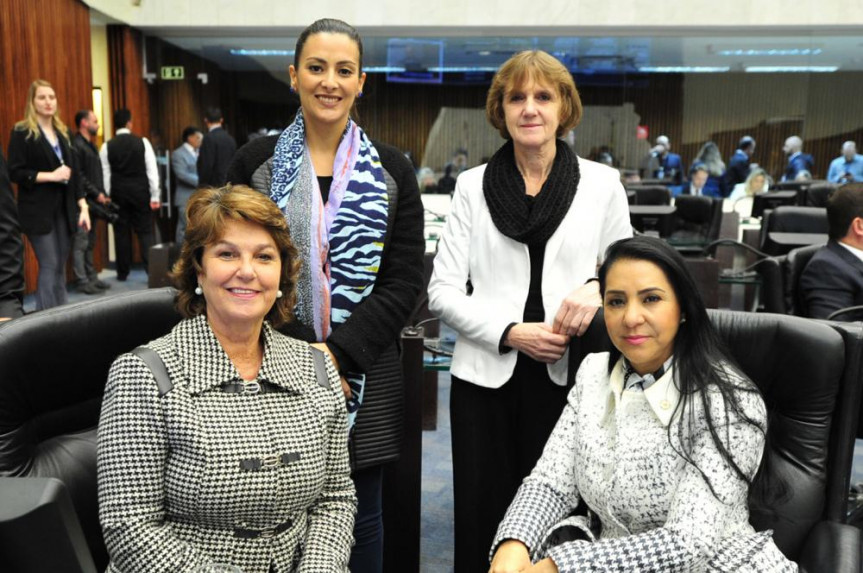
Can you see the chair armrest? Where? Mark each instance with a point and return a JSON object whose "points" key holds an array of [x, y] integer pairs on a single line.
{"points": [[39, 529], [834, 547], [846, 310], [710, 249]]}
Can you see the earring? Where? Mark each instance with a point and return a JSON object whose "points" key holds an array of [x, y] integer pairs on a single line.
{"points": [[682, 320], [279, 293], [293, 89], [198, 290], [360, 95]]}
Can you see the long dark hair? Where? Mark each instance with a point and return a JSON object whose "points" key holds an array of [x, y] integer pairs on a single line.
{"points": [[702, 365]]}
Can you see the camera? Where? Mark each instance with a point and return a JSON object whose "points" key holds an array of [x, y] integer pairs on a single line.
{"points": [[107, 211]]}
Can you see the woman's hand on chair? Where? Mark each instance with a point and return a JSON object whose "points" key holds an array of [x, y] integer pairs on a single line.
{"points": [[577, 310]]}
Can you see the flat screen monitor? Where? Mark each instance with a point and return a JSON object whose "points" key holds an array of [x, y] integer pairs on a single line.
{"points": [[655, 220], [771, 200], [416, 61]]}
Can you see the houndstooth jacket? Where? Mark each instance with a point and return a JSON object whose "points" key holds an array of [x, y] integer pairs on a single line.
{"points": [[611, 448], [216, 471]]}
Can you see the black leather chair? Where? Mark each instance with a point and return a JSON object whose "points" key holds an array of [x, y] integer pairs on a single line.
{"points": [[808, 372], [779, 278], [651, 194], [783, 223], [53, 368], [698, 218], [817, 194]]}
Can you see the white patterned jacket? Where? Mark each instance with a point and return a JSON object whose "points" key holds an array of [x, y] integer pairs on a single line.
{"points": [[214, 473], [611, 448]]}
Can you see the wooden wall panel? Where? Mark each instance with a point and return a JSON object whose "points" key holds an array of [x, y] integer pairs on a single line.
{"points": [[129, 89], [50, 40], [403, 114]]}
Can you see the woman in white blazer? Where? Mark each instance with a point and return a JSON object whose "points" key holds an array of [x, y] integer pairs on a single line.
{"points": [[512, 277]]}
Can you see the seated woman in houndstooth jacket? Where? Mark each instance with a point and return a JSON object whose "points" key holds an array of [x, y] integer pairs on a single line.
{"points": [[661, 439], [236, 458]]}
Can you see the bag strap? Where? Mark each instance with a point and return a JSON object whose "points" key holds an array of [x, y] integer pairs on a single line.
{"points": [[157, 366], [320, 367], [163, 381]]}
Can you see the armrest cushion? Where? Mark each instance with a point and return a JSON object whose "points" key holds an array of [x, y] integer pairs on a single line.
{"points": [[834, 547], [39, 529]]}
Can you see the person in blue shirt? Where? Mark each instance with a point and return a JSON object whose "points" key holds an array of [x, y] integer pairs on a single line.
{"points": [[662, 164], [738, 165], [847, 168], [797, 160]]}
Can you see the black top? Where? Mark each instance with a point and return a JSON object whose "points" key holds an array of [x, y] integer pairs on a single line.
{"points": [[533, 309], [37, 202], [90, 166], [325, 183]]}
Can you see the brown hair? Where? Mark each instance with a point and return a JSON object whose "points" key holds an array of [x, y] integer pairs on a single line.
{"points": [[207, 213], [30, 124], [543, 68]]}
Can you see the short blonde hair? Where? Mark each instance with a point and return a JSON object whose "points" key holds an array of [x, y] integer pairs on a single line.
{"points": [[207, 213], [543, 68]]}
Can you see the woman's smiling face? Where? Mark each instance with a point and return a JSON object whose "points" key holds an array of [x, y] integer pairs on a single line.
{"points": [[328, 78], [642, 313]]}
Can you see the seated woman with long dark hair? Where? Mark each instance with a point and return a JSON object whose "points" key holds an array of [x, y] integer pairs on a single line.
{"points": [[661, 439]]}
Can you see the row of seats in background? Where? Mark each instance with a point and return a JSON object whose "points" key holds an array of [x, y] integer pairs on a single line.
{"points": [[792, 216]]}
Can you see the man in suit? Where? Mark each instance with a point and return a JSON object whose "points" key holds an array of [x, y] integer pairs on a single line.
{"points": [[184, 162], [848, 167], [217, 151], [11, 250], [797, 160], [738, 165], [833, 279], [131, 179], [697, 179], [90, 165]]}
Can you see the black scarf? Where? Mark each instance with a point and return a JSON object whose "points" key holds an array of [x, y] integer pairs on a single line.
{"points": [[504, 190]]}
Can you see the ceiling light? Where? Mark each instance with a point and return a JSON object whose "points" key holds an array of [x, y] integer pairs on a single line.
{"points": [[772, 52], [245, 52], [683, 69], [781, 69]]}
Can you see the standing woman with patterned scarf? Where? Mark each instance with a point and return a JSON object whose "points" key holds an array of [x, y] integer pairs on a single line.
{"points": [[354, 212], [527, 230]]}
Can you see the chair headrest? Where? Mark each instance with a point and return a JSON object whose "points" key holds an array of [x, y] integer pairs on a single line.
{"points": [[694, 208]]}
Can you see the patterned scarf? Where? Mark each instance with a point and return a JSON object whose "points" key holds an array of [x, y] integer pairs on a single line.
{"points": [[632, 380], [343, 239]]}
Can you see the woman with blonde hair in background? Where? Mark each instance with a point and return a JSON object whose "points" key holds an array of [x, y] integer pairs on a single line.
{"points": [[51, 203]]}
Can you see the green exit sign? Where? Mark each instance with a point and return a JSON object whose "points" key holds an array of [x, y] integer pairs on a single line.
{"points": [[173, 73]]}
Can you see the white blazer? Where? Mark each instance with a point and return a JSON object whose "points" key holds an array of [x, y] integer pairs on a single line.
{"points": [[498, 267]]}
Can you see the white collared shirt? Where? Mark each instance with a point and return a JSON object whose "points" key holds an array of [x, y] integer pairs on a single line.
{"points": [[662, 396], [853, 250]]}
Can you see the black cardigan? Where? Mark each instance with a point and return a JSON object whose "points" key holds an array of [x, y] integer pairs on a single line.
{"points": [[37, 201], [366, 341]]}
